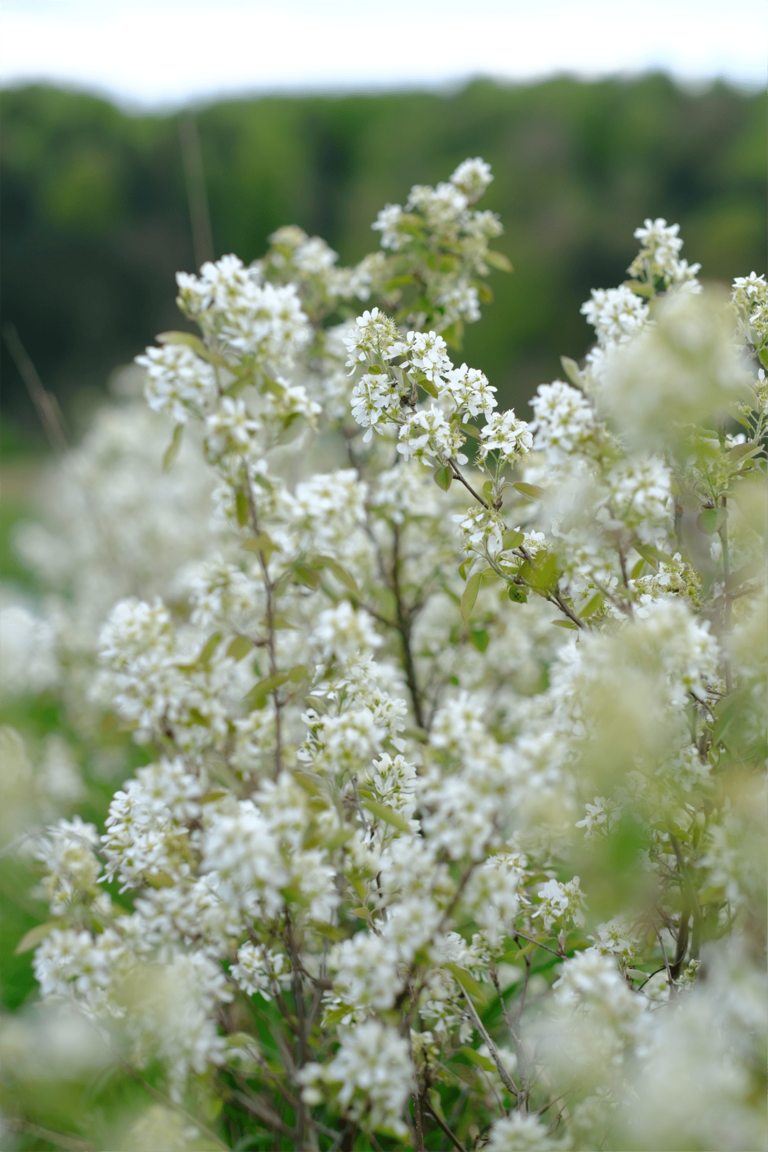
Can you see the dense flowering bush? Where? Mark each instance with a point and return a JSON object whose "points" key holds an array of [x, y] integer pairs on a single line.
{"points": [[449, 829]]}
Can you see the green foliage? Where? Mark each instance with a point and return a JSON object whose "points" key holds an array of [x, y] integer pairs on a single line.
{"points": [[95, 217]]}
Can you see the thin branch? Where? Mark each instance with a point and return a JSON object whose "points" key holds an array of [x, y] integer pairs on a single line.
{"points": [[70, 1143], [728, 599], [451, 1135], [458, 476], [546, 947], [663, 953], [269, 589], [45, 402], [496, 1055], [404, 620], [199, 215], [262, 1112]]}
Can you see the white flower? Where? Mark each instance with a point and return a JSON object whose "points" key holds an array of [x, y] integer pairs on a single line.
{"points": [[564, 419], [388, 223], [472, 177], [469, 388], [178, 381], [426, 352], [375, 401], [426, 433], [231, 427], [561, 903], [518, 1133], [373, 1073], [366, 973], [506, 434], [615, 313]]}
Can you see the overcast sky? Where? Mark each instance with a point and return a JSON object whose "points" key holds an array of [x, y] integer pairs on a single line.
{"points": [[161, 53]]}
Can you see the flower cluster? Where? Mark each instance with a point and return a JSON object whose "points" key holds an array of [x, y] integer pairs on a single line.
{"points": [[438, 750]]}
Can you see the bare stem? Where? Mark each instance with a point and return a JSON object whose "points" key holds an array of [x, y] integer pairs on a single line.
{"points": [[458, 476], [404, 624], [506, 1079], [269, 589], [728, 599], [200, 219], [45, 402], [451, 1135]]}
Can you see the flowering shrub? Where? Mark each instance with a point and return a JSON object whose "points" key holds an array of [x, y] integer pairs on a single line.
{"points": [[451, 825]]}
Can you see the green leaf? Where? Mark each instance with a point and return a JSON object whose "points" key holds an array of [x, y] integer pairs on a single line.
{"points": [[466, 1074], [498, 260], [638, 287], [173, 448], [340, 572], [746, 572], [565, 624], [197, 717], [591, 606], [443, 477], [469, 595], [193, 342], [711, 520], [329, 931], [571, 369], [214, 794], [241, 508], [398, 282], [480, 639], [361, 912], [338, 838], [387, 814], [476, 1058], [298, 673], [743, 451], [307, 575], [257, 697], [453, 335], [517, 594], [210, 647], [239, 647], [273, 386], [35, 936], [262, 543], [653, 556], [512, 539], [531, 490], [467, 982], [470, 430], [429, 387], [542, 573]]}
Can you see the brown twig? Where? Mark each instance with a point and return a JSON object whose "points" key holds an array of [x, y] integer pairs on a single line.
{"points": [[45, 402], [269, 589], [451, 1135], [199, 214]]}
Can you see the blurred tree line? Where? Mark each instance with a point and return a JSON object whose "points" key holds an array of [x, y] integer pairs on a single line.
{"points": [[95, 213]]}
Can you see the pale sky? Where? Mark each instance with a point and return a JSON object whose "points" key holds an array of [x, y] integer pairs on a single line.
{"points": [[161, 53]]}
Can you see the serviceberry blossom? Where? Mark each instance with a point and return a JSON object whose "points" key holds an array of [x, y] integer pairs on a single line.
{"points": [[426, 434], [615, 314], [366, 712], [178, 381], [506, 434], [472, 177], [470, 390]]}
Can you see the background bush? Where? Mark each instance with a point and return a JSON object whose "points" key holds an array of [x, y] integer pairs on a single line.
{"points": [[95, 220]]}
